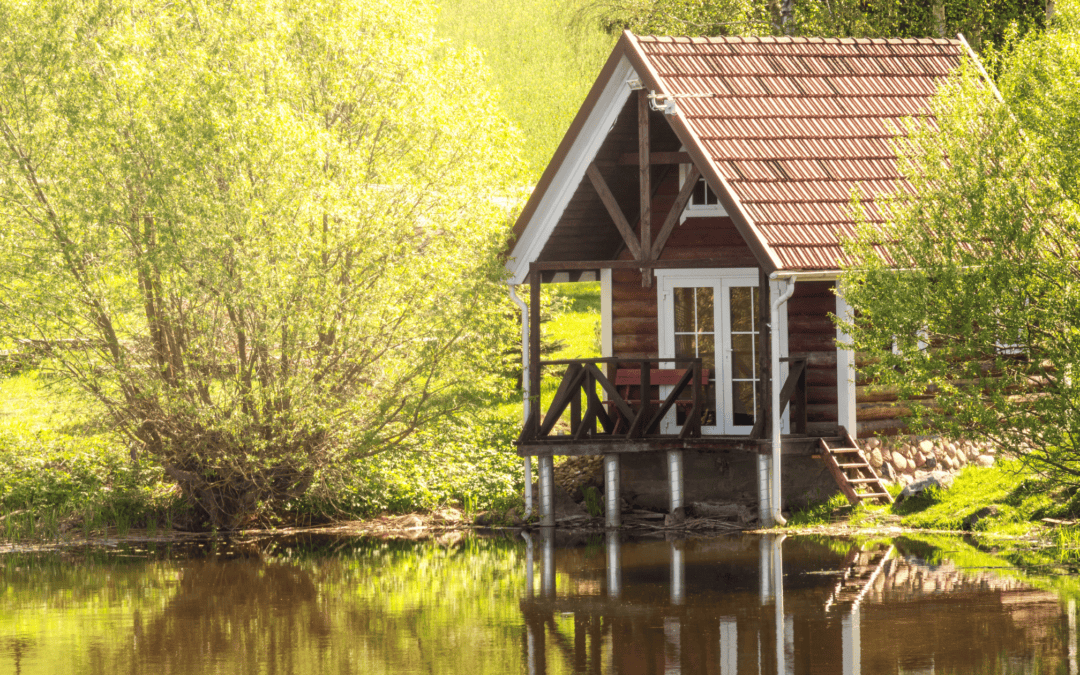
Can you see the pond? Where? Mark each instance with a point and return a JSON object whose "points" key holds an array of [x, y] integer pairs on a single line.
{"points": [[532, 604]]}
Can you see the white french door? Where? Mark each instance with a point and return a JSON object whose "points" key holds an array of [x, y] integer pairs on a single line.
{"points": [[713, 315]]}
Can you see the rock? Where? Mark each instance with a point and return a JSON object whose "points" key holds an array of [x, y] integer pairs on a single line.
{"points": [[926, 446], [875, 458], [735, 512], [484, 519], [937, 479], [985, 460], [565, 506], [899, 462], [873, 443], [906, 479], [981, 514], [676, 517], [920, 458], [888, 473], [512, 517]]}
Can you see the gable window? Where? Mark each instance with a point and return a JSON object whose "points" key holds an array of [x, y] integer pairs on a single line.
{"points": [[703, 203]]}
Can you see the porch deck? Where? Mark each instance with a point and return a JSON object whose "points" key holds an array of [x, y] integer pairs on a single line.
{"points": [[566, 445]]}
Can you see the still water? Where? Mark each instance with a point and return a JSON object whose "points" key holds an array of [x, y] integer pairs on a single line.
{"points": [[554, 604]]}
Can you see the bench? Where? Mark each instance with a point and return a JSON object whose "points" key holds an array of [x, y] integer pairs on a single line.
{"points": [[625, 378]]}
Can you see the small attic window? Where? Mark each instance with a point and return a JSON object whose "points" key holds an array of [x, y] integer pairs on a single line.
{"points": [[703, 201]]}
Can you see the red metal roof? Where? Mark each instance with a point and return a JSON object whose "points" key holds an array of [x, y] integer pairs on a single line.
{"points": [[796, 126]]}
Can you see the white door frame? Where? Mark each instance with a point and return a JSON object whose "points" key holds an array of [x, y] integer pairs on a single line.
{"points": [[721, 280]]}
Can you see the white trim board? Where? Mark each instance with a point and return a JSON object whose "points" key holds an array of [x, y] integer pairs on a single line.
{"points": [[572, 170]]}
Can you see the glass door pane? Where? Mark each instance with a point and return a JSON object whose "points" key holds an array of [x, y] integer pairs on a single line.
{"points": [[695, 337], [745, 369]]}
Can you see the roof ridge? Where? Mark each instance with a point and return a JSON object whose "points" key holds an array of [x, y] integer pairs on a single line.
{"points": [[772, 39]]}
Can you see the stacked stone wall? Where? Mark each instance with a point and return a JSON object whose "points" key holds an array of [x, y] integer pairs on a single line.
{"points": [[905, 459]]}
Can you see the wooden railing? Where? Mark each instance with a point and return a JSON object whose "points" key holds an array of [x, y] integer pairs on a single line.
{"points": [[617, 416]]}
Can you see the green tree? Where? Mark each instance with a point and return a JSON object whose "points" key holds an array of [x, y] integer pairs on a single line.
{"points": [[979, 20], [270, 229], [971, 289]]}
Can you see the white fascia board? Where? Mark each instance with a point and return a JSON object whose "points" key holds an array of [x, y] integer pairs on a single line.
{"points": [[593, 134]]}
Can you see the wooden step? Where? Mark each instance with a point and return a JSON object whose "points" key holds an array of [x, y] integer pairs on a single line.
{"points": [[865, 477]]}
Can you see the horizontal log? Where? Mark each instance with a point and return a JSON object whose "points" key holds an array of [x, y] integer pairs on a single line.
{"points": [[821, 394], [809, 289], [634, 343], [890, 427], [642, 309], [811, 324], [815, 306], [807, 342], [821, 412], [634, 326], [633, 291]]}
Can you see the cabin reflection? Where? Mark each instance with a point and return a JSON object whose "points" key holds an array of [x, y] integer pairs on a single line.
{"points": [[766, 605]]}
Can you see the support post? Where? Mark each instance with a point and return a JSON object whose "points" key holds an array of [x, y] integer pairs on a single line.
{"points": [[764, 462], [851, 642], [678, 574], [534, 352], [529, 565], [644, 179], [547, 491], [547, 579], [612, 490], [675, 478], [845, 369], [614, 566]]}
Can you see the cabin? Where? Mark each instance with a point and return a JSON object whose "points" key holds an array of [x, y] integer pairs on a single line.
{"points": [[706, 183]]}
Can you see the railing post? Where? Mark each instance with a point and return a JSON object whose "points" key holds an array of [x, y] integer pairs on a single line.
{"points": [[575, 407]]}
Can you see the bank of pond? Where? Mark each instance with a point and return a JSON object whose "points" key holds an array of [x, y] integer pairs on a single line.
{"points": [[535, 602]]}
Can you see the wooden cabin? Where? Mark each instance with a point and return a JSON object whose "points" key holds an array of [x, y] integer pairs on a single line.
{"points": [[706, 183]]}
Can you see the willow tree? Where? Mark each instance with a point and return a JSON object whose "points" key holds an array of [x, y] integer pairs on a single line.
{"points": [[971, 291], [267, 232]]}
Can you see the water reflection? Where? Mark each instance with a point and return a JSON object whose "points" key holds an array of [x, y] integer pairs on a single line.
{"points": [[766, 605], [545, 603]]}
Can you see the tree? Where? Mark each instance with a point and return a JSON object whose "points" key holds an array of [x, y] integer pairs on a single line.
{"points": [[979, 20], [970, 289], [271, 229]]}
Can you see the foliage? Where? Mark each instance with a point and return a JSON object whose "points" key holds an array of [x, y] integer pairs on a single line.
{"points": [[981, 21], [971, 291], [974, 489], [269, 231], [542, 61]]}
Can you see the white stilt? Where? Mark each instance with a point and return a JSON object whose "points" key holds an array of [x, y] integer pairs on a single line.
{"points": [[528, 488], [678, 575], [614, 565], [529, 565], [547, 491], [547, 580], [612, 492], [675, 477], [729, 646], [851, 642]]}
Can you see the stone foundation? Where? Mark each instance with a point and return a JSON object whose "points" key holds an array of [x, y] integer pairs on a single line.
{"points": [[905, 459]]}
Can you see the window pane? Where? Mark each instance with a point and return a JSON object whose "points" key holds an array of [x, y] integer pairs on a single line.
{"points": [[705, 310], [707, 352], [710, 196], [699, 196], [742, 357], [742, 308], [742, 403], [684, 346], [684, 310]]}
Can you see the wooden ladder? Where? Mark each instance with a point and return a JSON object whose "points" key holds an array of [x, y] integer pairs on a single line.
{"points": [[860, 569], [852, 472]]}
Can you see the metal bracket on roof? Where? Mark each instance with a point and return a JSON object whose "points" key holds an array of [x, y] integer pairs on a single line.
{"points": [[635, 84], [663, 103]]}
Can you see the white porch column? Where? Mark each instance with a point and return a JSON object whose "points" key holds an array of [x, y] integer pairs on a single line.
{"points": [[547, 491], [845, 369], [612, 498], [675, 477], [606, 332]]}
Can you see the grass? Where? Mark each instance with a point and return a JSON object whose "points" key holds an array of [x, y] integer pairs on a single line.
{"points": [[541, 59], [61, 474]]}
